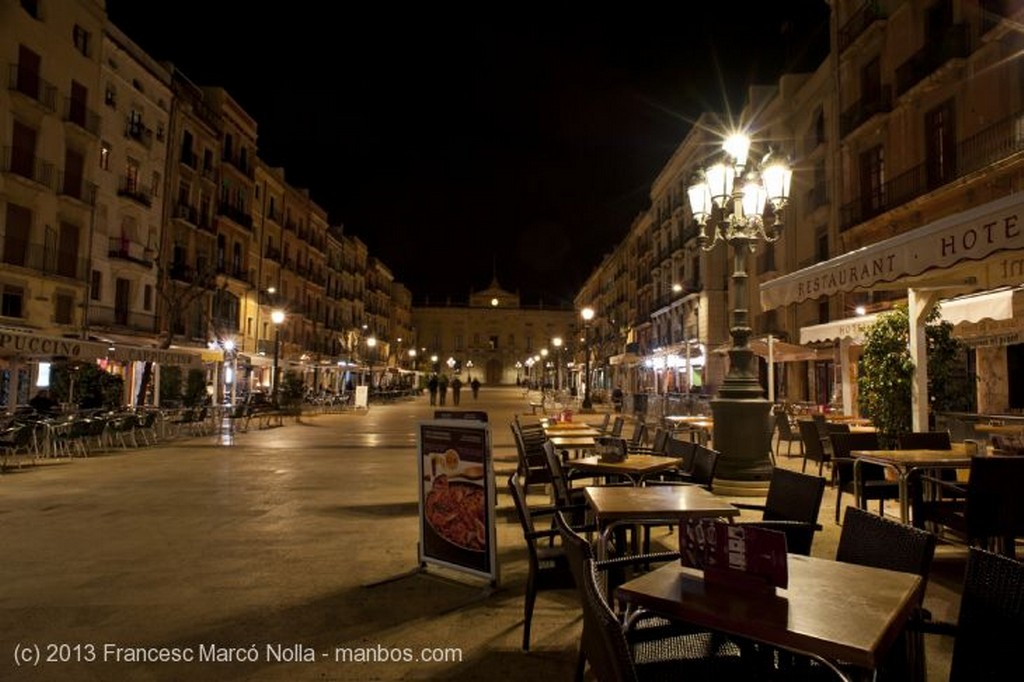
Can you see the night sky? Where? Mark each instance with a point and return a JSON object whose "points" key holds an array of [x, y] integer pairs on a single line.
{"points": [[507, 138]]}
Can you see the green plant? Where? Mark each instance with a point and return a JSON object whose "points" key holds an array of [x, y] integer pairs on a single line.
{"points": [[886, 372], [195, 388]]}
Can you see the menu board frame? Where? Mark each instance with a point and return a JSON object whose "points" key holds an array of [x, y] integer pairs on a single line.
{"points": [[448, 480]]}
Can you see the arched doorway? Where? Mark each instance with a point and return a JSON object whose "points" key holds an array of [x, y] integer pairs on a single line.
{"points": [[492, 372]]}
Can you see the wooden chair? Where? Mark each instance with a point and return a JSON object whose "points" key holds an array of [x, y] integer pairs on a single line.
{"points": [[617, 425], [548, 564], [532, 465]]}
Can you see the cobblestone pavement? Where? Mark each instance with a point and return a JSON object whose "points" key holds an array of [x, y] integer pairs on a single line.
{"points": [[279, 554]]}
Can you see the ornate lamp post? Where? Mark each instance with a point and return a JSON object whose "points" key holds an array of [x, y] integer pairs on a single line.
{"points": [[587, 314], [277, 317], [543, 367], [733, 199]]}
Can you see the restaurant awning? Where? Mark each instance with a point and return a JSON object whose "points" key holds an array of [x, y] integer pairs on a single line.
{"points": [[21, 343], [955, 249], [964, 312], [973, 250]]}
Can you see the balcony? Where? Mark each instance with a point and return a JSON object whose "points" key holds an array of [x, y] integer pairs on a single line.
{"points": [[272, 253], [189, 158], [129, 188], [82, 116], [237, 215], [953, 43], [186, 213], [26, 164], [45, 259], [135, 129], [861, 111], [109, 316], [868, 14], [74, 186], [30, 84], [238, 162], [125, 249], [993, 144]]}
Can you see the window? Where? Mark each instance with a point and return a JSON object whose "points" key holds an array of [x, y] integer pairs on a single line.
{"points": [[131, 175], [63, 308], [95, 285], [156, 184], [823, 310], [105, 155], [147, 297], [110, 96], [940, 144], [82, 39], [11, 301], [872, 181], [821, 248]]}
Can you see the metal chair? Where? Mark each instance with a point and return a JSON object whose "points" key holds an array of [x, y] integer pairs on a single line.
{"points": [[548, 564]]}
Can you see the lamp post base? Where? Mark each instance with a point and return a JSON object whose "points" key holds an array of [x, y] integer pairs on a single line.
{"points": [[743, 437]]}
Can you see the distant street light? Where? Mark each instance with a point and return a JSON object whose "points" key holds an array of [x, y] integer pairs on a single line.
{"points": [[587, 314], [557, 343], [277, 317]]}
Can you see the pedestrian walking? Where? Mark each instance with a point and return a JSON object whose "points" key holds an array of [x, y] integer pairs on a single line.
{"points": [[442, 388], [475, 385], [432, 389], [456, 390]]}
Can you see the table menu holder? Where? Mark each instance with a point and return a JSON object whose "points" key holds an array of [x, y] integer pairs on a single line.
{"points": [[734, 555], [610, 449]]}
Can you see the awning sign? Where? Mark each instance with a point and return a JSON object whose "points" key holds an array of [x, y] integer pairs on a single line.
{"points": [[38, 346], [970, 235]]}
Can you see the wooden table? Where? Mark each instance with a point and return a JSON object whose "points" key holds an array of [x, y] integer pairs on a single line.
{"points": [[1000, 429], [617, 505], [838, 611], [572, 430], [635, 467], [906, 462]]}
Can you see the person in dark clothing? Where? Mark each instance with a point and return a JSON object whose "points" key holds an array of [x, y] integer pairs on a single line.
{"points": [[432, 389], [442, 388], [456, 390], [475, 385]]}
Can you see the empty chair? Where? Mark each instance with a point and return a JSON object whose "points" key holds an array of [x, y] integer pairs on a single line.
{"points": [[924, 440], [657, 446], [649, 636], [874, 485], [784, 434], [532, 465], [617, 425], [791, 506], [986, 636], [989, 512], [612, 658], [703, 463], [548, 564], [813, 446]]}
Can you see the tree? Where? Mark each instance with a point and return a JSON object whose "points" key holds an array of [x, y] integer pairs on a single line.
{"points": [[886, 371]]}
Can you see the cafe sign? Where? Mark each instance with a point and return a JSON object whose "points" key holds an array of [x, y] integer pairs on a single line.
{"points": [[970, 235]]}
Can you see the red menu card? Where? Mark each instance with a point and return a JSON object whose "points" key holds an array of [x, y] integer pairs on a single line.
{"points": [[735, 554]]}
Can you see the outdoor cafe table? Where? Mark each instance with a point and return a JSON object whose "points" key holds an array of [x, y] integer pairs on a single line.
{"points": [[837, 611], [616, 505], [573, 442], [906, 462], [571, 430], [635, 467]]}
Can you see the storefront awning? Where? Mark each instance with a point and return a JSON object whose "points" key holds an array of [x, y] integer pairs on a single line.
{"points": [[964, 312], [912, 257], [19, 343], [780, 351]]}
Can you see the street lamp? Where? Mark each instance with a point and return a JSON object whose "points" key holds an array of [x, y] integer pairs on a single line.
{"points": [[557, 343], [371, 345], [544, 367], [519, 367], [412, 359], [277, 317], [733, 198], [469, 370], [587, 314]]}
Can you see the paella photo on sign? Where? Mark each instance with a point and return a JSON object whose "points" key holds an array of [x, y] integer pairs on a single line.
{"points": [[454, 507]]}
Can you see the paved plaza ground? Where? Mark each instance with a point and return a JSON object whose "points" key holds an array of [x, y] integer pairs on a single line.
{"points": [[277, 545]]}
